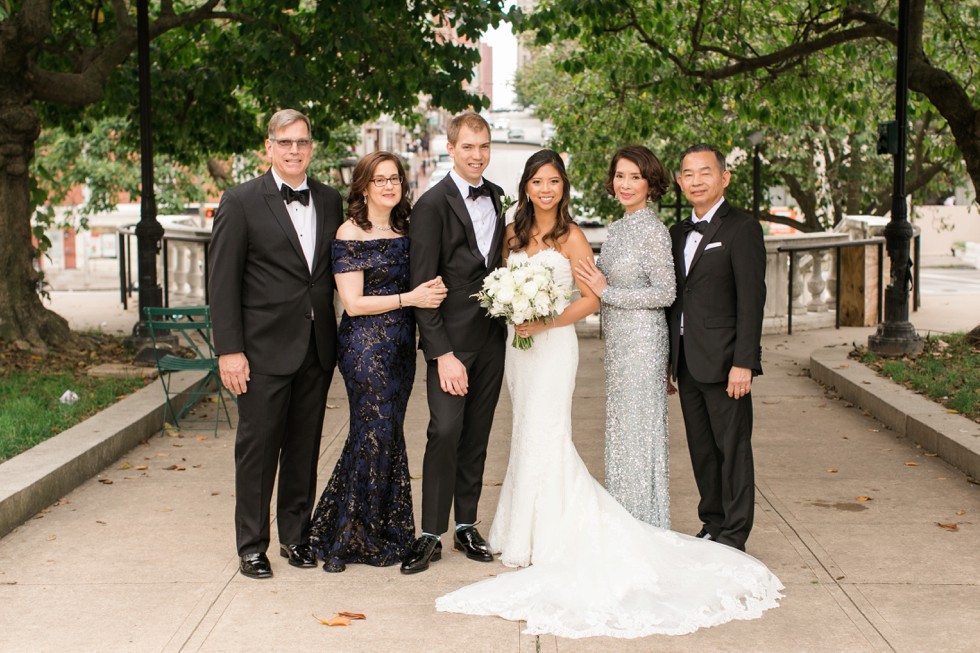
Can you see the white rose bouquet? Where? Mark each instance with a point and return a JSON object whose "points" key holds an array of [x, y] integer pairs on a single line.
{"points": [[522, 292]]}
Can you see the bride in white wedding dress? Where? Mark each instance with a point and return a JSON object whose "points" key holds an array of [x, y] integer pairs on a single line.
{"points": [[589, 567]]}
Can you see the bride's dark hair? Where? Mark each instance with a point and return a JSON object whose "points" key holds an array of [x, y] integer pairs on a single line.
{"points": [[524, 214]]}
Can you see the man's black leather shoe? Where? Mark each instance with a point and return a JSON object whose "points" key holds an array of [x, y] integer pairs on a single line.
{"points": [[255, 565], [703, 534], [300, 555], [420, 553], [470, 541]]}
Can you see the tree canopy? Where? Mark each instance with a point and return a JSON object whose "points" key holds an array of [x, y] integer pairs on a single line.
{"points": [[814, 78], [220, 68]]}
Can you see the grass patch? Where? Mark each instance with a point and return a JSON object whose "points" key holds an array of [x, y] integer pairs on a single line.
{"points": [[31, 384], [947, 371]]}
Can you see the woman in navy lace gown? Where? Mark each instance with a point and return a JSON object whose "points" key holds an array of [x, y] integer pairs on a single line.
{"points": [[365, 512]]}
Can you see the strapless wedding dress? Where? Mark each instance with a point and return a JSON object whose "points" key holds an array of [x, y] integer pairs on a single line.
{"points": [[591, 568]]}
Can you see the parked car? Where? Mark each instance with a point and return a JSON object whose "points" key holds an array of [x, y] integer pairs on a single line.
{"points": [[515, 134]]}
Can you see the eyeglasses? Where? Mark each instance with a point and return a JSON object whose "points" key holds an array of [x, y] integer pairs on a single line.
{"points": [[287, 143], [394, 180]]}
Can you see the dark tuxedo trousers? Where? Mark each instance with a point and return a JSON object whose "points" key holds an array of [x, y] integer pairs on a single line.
{"points": [[721, 297], [443, 243], [269, 305]]}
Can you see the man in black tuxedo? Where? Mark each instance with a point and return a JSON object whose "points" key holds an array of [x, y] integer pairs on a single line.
{"points": [[715, 342], [271, 291], [457, 233]]}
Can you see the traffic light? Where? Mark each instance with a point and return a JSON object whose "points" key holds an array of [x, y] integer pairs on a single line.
{"points": [[888, 137]]}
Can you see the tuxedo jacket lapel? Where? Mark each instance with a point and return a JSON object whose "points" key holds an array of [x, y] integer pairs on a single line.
{"points": [[273, 200], [498, 231], [680, 238], [458, 206], [320, 217], [708, 234]]}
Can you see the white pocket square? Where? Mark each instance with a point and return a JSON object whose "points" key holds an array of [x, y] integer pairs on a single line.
{"points": [[711, 246]]}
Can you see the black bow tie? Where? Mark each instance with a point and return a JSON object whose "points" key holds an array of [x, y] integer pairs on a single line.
{"points": [[290, 195], [477, 191], [690, 225]]}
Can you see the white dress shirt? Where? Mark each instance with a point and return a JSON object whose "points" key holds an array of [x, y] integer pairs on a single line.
{"points": [[302, 219], [694, 239], [482, 214]]}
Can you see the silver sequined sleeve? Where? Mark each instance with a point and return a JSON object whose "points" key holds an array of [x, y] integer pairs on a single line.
{"points": [[636, 260], [644, 278]]}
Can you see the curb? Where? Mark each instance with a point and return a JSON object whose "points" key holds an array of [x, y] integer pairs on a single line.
{"points": [[36, 478], [953, 437]]}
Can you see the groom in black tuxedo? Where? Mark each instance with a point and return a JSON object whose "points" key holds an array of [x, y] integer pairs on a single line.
{"points": [[271, 291], [457, 233], [715, 342]]}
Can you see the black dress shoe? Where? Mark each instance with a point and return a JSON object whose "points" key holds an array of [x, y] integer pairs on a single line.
{"points": [[300, 555], [255, 565], [420, 553], [470, 541], [703, 534]]}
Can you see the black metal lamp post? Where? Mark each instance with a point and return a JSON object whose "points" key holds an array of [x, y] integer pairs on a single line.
{"points": [[346, 168], [895, 335], [149, 231], [755, 140]]}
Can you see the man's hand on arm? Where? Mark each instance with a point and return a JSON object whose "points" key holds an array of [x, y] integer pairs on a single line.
{"points": [[739, 382], [452, 375], [234, 372]]}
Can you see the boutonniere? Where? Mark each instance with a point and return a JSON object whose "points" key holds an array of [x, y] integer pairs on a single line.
{"points": [[506, 201]]}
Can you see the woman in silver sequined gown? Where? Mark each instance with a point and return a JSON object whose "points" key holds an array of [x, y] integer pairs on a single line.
{"points": [[635, 281], [589, 567]]}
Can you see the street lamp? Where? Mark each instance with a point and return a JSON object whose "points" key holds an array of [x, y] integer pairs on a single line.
{"points": [[149, 231], [755, 140], [895, 335], [346, 168]]}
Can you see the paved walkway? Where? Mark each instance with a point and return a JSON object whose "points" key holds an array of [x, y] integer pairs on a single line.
{"points": [[148, 562]]}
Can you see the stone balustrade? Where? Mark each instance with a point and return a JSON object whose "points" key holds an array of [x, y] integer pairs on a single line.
{"points": [[813, 286]]}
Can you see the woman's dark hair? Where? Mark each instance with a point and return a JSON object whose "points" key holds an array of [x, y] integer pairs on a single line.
{"points": [[524, 215], [650, 169], [361, 178]]}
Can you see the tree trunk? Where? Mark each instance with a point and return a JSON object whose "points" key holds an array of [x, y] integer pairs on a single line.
{"points": [[22, 316]]}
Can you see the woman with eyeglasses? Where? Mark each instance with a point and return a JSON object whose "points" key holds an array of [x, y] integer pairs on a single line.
{"points": [[365, 512]]}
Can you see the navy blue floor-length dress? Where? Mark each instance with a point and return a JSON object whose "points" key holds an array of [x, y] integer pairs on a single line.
{"points": [[365, 511]]}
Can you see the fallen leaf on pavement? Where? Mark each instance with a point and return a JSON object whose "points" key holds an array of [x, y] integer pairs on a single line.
{"points": [[352, 615], [142, 467], [125, 465], [333, 621], [931, 455], [832, 470], [863, 499], [200, 438], [960, 512], [952, 410], [911, 464], [949, 527], [105, 481]]}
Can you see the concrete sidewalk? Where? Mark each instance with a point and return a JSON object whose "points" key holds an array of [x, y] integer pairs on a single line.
{"points": [[148, 563]]}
